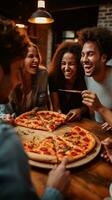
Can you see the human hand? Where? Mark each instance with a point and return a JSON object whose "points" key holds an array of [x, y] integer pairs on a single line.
{"points": [[91, 100], [8, 118], [73, 114], [107, 144], [106, 127], [59, 177]]}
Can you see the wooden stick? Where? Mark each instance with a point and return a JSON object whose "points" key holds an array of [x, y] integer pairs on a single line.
{"points": [[72, 91]]}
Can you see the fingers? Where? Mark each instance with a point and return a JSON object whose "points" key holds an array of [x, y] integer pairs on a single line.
{"points": [[107, 144], [104, 155], [64, 162], [107, 141], [73, 115], [88, 94], [106, 127], [69, 116]]}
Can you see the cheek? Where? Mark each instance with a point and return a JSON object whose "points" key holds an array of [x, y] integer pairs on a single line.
{"points": [[74, 69]]}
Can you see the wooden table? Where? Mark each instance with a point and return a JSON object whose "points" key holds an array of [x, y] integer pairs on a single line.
{"points": [[90, 181]]}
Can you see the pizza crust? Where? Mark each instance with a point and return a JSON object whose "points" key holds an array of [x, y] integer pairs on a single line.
{"points": [[42, 158]]}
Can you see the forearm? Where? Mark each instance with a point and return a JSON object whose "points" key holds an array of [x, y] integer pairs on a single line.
{"points": [[106, 114], [55, 101]]}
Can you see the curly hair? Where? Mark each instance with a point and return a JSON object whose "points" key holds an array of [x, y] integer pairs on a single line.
{"points": [[55, 66], [12, 44], [100, 35]]}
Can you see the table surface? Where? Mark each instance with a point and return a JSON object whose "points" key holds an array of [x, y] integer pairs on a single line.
{"points": [[90, 181]]}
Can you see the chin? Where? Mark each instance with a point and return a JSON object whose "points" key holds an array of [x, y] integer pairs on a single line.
{"points": [[33, 72], [88, 74], [68, 78]]}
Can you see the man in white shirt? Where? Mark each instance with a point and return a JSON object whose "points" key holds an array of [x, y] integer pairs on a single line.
{"points": [[96, 51]]}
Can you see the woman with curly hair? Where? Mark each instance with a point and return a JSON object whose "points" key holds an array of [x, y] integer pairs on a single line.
{"points": [[66, 72]]}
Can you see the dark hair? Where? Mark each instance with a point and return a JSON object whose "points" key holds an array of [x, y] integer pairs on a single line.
{"points": [[101, 36], [12, 44], [55, 66]]}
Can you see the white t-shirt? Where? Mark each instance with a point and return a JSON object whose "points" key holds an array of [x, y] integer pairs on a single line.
{"points": [[103, 91]]}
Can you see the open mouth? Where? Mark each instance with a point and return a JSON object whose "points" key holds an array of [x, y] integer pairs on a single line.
{"points": [[67, 73]]}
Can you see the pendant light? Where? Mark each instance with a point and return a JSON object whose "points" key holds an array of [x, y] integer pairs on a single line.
{"points": [[41, 16]]}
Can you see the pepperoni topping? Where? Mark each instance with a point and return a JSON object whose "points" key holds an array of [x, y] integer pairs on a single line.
{"points": [[73, 153], [77, 129], [82, 133], [86, 139], [43, 149]]}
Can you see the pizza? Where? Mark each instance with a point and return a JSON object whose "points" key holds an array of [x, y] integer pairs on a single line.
{"points": [[73, 144], [43, 120]]}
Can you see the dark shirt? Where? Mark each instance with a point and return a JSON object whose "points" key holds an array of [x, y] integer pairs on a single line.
{"points": [[68, 101]]}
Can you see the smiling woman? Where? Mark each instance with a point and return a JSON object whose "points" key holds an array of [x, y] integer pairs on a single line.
{"points": [[65, 72], [32, 90]]}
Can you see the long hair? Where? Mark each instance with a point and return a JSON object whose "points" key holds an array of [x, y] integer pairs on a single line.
{"points": [[16, 94]]}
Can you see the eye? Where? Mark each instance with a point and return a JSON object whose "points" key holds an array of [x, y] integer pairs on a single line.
{"points": [[72, 63], [30, 56], [63, 63], [91, 53]]}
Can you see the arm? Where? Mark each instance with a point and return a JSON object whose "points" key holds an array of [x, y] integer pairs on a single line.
{"points": [[57, 183], [55, 101], [77, 113], [91, 100], [106, 113]]}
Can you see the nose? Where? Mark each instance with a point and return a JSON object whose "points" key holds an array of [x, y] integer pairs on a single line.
{"points": [[84, 58], [36, 59], [66, 66]]}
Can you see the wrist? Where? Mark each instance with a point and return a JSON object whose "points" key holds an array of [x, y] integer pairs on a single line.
{"points": [[101, 109]]}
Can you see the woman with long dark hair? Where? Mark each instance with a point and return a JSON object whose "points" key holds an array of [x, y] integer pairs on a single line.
{"points": [[65, 72]]}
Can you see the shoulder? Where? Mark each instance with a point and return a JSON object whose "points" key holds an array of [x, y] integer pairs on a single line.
{"points": [[42, 68], [42, 71], [10, 142]]}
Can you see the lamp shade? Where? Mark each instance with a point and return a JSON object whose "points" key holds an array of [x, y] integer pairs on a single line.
{"points": [[41, 16]]}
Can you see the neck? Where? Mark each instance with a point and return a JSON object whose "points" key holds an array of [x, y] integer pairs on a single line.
{"points": [[101, 75], [69, 84]]}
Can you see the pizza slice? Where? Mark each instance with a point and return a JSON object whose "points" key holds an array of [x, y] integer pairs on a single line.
{"points": [[51, 119], [65, 149], [44, 151], [81, 137], [43, 120]]}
